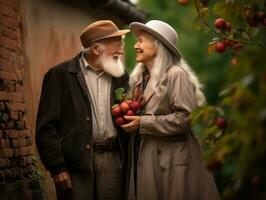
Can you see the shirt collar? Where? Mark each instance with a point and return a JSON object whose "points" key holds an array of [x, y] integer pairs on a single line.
{"points": [[89, 67]]}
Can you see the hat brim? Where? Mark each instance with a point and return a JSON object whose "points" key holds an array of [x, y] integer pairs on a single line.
{"points": [[115, 34], [137, 28]]}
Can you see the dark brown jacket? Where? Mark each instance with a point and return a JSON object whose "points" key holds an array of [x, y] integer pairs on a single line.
{"points": [[64, 125]]}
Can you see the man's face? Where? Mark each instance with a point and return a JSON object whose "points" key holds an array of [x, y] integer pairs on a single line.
{"points": [[110, 56], [113, 47]]}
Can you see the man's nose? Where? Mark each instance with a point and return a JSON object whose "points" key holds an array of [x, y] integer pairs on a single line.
{"points": [[120, 50], [136, 46]]}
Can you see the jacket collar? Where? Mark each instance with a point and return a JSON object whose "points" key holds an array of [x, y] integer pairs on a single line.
{"points": [[148, 92], [74, 66]]}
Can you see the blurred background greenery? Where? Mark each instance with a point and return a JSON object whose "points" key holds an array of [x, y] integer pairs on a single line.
{"points": [[232, 128], [192, 43]]}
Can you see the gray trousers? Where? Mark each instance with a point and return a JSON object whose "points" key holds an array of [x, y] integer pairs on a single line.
{"points": [[109, 181]]}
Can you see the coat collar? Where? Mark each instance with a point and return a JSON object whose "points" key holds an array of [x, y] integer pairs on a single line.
{"points": [[148, 92], [74, 66]]}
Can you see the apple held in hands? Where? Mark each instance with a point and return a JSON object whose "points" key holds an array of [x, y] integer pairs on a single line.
{"points": [[128, 108]]}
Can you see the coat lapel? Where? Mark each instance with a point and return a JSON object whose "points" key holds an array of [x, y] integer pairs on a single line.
{"points": [[74, 67], [148, 92]]}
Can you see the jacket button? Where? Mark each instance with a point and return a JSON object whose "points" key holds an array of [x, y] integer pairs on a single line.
{"points": [[159, 151], [87, 118], [88, 146]]}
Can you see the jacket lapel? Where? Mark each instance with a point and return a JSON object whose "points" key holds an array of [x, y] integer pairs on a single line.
{"points": [[74, 67], [148, 92]]}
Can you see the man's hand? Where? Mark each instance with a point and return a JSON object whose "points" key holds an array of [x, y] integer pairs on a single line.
{"points": [[133, 126], [63, 181]]}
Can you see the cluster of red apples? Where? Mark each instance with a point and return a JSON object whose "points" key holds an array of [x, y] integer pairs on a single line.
{"points": [[220, 46], [127, 107]]}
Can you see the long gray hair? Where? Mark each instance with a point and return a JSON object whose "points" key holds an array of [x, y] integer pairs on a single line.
{"points": [[163, 60]]}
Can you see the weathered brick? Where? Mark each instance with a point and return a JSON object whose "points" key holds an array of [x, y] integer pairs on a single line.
{"points": [[9, 22], [3, 143], [10, 33], [2, 176], [8, 75], [4, 117], [8, 43], [6, 65], [14, 115], [12, 134], [16, 106], [28, 141], [8, 3], [10, 125], [4, 162], [9, 175], [25, 133], [29, 160], [23, 151], [19, 88], [19, 142], [27, 170], [19, 125], [30, 150], [22, 161], [2, 106], [11, 96], [8, 152], [6, 53], [8, 11], [9, 86], [1, 134]]}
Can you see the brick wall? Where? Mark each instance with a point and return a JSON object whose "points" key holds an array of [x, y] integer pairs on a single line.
{"points": [[16, 148]]}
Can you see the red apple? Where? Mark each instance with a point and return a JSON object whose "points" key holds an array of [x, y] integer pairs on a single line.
{"points": [[124, 107], [220, 23], [120, 121], [220, 47], [183, 2], [129, 101], [135, 105], [221, 122], [130, 113], [116, 111]]}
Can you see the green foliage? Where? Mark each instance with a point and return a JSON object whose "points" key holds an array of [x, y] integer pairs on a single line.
{"points": [[36, 183], [236, 152]]}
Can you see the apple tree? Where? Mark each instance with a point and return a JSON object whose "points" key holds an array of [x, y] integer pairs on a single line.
{"points": [[234, 130]]}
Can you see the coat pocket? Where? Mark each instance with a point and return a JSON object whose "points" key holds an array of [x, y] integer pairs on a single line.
{"points": [[181, 154], [73, 148]]}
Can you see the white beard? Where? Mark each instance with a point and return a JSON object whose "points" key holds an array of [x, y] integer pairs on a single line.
{"points": [[114, 67]]}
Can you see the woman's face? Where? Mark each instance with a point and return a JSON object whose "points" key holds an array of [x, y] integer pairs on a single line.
{"points": [[145, 48]]}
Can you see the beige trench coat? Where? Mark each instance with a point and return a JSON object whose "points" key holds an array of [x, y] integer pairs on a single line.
{"points": [[168, 169]]}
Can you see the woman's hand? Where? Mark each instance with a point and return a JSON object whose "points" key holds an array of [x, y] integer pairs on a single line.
{"points": [[133, 126]]}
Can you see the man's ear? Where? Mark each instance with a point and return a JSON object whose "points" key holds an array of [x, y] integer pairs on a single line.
{"points": [[95, 48]]}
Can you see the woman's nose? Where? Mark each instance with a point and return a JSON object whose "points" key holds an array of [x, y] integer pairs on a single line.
{"points": [[136, 45]]}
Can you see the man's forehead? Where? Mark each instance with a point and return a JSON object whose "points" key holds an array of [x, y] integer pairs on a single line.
{"points": [[112, 39]]}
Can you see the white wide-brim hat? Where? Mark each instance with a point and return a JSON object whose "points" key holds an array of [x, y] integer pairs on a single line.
{"points": [[160, 30]]}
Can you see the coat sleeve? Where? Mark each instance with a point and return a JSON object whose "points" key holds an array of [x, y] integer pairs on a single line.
{"points": [[47, 139], [181, 95]]}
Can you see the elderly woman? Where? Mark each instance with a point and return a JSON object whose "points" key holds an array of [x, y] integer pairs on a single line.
{"points": [[168, 162]]}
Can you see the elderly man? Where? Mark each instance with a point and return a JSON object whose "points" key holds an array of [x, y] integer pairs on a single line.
{"points": [[75, 135]]}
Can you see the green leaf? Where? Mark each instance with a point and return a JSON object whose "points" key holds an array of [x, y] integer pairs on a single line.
{"points": [[119, 93], [220, 8]]}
